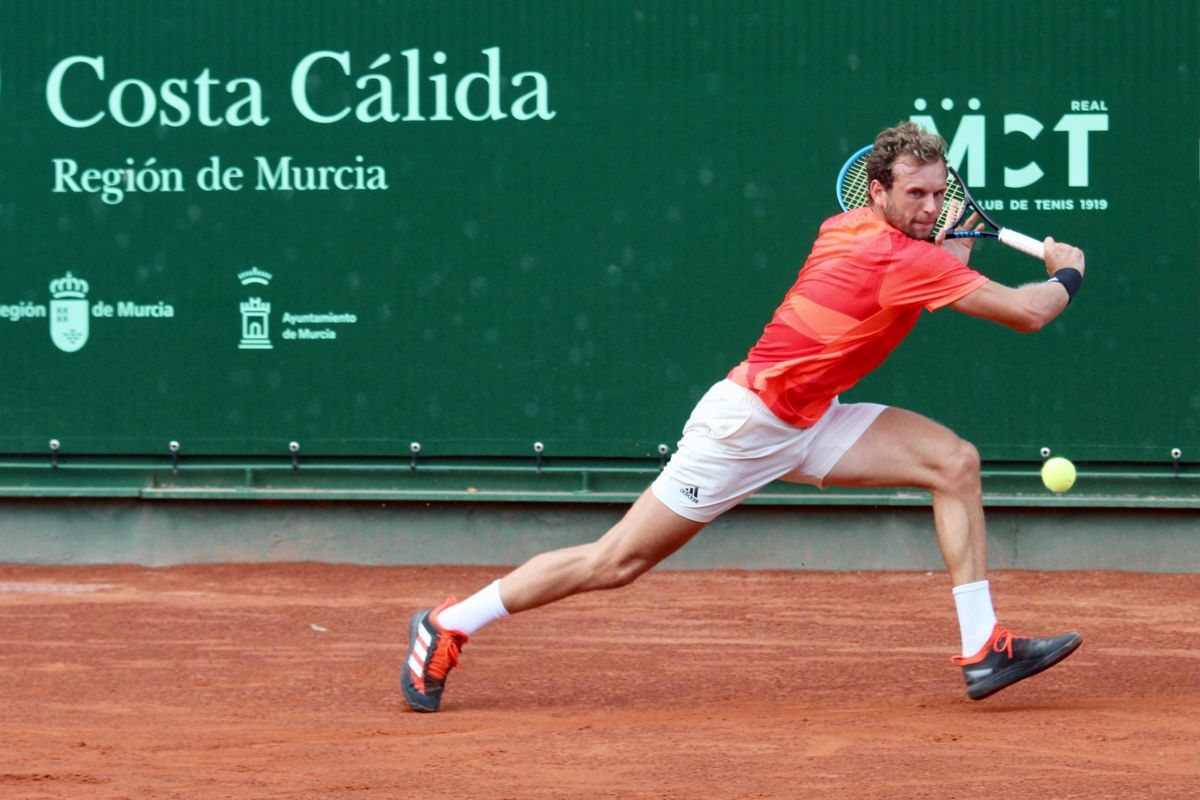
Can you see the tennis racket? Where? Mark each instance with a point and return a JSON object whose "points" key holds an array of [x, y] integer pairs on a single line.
{"points": [[852, 183]]}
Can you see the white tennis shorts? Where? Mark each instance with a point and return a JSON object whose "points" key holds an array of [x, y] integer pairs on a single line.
{"points": [[733, 445]]}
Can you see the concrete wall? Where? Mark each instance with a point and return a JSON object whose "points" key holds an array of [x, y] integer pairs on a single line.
{"points": [[161, 533]]}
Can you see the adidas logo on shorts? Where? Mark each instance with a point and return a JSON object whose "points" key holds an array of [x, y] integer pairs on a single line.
{"points": [[692, 493]]}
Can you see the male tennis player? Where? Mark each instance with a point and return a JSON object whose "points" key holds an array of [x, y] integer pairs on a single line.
{"points": [[776, 416]]}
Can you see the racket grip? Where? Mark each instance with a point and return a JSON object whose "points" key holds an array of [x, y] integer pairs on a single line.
{"points": [[1019, 241]]}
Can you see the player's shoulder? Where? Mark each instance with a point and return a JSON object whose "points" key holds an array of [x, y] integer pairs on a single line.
{"points": [[855, 220], [854, 231]]}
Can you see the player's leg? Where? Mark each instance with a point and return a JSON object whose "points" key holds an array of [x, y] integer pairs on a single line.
{"points": [[731, 447], [905, 449], [722, 458], [648, 533]]}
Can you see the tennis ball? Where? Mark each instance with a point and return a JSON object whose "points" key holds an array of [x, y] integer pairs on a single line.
{"points": [[1058, 474]]}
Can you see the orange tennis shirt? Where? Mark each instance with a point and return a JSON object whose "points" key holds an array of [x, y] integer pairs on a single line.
{"points": [[858, 295]]}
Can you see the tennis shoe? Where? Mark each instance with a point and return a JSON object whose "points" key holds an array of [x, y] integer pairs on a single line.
{"points": [[432, 652], [1006, 659]]}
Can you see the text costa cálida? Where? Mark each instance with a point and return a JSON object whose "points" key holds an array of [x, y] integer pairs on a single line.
{"points": [[326, 87]]}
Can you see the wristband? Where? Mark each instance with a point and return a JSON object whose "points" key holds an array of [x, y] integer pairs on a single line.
{"points": [[1071, 279]]}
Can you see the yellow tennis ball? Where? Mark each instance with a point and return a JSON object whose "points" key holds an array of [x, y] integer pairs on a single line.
{"points": [[1058, 474]]}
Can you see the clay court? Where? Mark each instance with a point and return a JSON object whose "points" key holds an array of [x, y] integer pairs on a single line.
{"points": [[279, 681]]}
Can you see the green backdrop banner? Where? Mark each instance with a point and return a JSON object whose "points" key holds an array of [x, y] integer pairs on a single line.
{"points": [[476, 225]]}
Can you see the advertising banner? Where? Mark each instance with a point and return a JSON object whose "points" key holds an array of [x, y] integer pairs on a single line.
{"points": [[477, 225]]}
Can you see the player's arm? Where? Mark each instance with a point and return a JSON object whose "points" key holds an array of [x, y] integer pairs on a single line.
{"points": [[1032, 306]]}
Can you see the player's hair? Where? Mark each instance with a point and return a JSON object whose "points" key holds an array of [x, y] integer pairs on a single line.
{"points": [[907, 138]]}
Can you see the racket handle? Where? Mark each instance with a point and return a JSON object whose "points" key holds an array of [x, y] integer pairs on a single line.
{"points": [[1019, 241]]}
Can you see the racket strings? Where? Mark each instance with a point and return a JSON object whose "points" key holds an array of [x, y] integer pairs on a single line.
{"points": [[853, 189], [953, 201]]}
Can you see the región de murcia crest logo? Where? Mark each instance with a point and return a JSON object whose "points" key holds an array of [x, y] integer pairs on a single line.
{"points": [[69, 313]]}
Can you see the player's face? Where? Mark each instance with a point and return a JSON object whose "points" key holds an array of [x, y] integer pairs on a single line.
{"points": [[913, 203]]}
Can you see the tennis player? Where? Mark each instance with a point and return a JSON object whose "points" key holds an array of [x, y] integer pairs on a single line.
{"points": [[776, 416]]}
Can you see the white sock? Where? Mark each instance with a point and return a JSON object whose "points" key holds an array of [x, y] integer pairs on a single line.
{"points": [[976, 618], [476, 611]]}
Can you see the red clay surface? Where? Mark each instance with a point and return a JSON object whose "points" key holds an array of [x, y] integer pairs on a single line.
{"points": [[280, 681]]}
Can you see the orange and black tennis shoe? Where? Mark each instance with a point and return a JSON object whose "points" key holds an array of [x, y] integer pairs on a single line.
{"points": [[1006, 659], [432, 653]]}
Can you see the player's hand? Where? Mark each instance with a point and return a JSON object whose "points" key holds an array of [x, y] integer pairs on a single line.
{"points": [[1060, 255]]}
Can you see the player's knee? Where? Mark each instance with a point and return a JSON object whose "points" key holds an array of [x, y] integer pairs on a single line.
{"points": [[612, 568], [958, 466]]}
